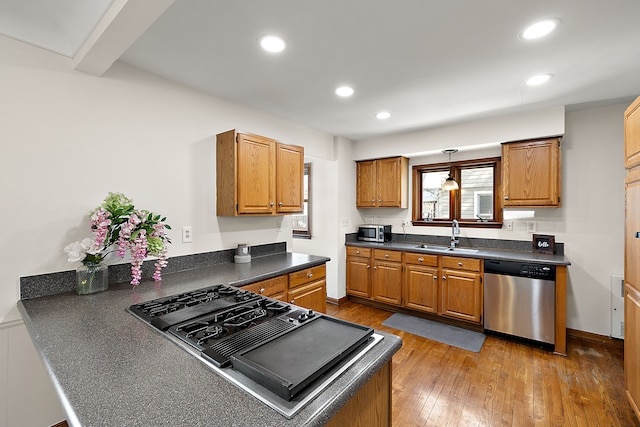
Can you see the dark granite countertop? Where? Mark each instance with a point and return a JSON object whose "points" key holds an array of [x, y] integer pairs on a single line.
{"points": [[109, 368], [504, 250]]}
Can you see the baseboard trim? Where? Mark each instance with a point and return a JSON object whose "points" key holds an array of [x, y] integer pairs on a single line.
{"points": [[337, 301], [589, 336]]}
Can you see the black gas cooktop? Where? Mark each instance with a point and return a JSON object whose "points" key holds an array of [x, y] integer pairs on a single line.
{"points": [[241, 334]]}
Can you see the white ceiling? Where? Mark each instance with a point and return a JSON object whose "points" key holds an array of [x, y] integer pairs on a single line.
{"points": [[428, 62]]}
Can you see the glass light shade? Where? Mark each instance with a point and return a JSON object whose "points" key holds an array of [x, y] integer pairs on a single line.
{"points": [[450, 184]]}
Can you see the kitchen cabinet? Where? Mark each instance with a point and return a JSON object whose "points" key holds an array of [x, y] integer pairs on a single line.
{"points": [[273, 288], [359, 271], [308, 288], [421, 282], [256, 175], [632, 135], [631, 256], [531, 173], [386, 277], [382, 183], [461, 290]]}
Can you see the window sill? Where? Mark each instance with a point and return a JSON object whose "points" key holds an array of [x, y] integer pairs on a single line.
{"points": [[301, 236], [461, 223]]}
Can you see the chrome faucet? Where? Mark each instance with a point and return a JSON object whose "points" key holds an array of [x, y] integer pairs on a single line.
{"points": [[455, 229]]}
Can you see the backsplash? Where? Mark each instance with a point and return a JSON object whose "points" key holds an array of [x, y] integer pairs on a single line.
{"points": [[464, 242], [65, 281]]}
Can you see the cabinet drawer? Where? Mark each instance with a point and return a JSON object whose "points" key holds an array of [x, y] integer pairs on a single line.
{"points": [[386, 255], [421, 259], [460, 263], [356, 251], [269, 287], [307, 275]]}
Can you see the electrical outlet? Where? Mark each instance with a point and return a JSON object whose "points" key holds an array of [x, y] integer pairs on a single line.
{"points": [[187, 234], [508, 225], [406, 222]]}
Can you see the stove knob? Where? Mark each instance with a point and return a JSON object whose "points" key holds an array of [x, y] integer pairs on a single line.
{"points": [[302, 317], [310, 314]]}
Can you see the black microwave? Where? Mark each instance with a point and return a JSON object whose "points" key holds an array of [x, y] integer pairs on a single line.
{"points": [[374, 233]]}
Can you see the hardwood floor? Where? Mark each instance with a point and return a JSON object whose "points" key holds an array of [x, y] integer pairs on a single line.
{"points": [[507, 383]]}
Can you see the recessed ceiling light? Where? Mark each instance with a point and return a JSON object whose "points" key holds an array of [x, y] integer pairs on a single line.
{"points": [[539, 29], [538, 80], [344, 91], [383, 115], [272, 44]]}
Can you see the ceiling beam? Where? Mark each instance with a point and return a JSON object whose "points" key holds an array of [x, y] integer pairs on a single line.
{"points": [[119, 28]]}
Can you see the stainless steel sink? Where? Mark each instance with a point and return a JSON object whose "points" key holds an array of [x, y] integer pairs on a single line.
{"points": [[447, 249]]}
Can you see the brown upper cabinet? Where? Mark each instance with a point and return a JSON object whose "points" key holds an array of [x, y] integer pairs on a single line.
{"points": [[256, 175], [632, 135], [382, 183], [531, 173]]}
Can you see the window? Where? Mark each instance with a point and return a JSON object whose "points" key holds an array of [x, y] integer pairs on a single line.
{"points": [[475, 203], [301, 223]]}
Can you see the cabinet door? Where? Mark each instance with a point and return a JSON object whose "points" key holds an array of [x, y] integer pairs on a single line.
{"points": [[531, 173], [421, 288], [366, 193], [632, 230], [312, 295], [273, 288], [358, 277], [387, 282], [461, 294], [632, 135], [390, 174], [256, 161], [632, 346], [289, 178]]}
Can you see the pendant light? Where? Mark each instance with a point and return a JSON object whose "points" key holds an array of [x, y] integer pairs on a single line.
{"points": [[450, 184]]}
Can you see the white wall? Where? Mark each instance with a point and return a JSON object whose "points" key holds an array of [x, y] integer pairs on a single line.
{"points": [[591, 220], [69, 138]]}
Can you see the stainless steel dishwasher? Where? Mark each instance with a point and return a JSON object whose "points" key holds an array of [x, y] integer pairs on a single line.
{"points": [[520, 299]]}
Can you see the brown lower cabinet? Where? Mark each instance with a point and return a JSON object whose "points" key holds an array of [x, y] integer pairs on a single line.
{"points": [[446, 286], [305, 288], [308, 288], [371, 405], [386, 277], [421, 282], [462, 289]]}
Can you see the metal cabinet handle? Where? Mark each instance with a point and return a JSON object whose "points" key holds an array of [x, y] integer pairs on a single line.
{"points": [[386, 255], [435, 277], [375, 267], [292, 301], [358, 252], [310, 275], [460, 264], [420, 259], [373, 200], [444, 277], [368, 266], [506, 197], [262, 290], [280, 204], [380, 201], [271, 204]]}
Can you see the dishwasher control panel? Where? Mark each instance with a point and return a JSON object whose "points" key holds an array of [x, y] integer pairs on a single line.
{"points": [[538, 271], [520, 269]]}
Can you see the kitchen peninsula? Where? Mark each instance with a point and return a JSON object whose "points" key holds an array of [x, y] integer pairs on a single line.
{"points": [[110, 368]]}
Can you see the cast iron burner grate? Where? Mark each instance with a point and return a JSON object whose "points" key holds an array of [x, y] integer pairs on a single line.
{"points": [[220, 351]]}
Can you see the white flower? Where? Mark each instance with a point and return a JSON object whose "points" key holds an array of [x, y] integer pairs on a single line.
{"points": [[75, 251]]}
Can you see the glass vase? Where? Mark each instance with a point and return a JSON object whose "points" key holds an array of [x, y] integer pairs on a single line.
{"points": [[92, 278]]}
